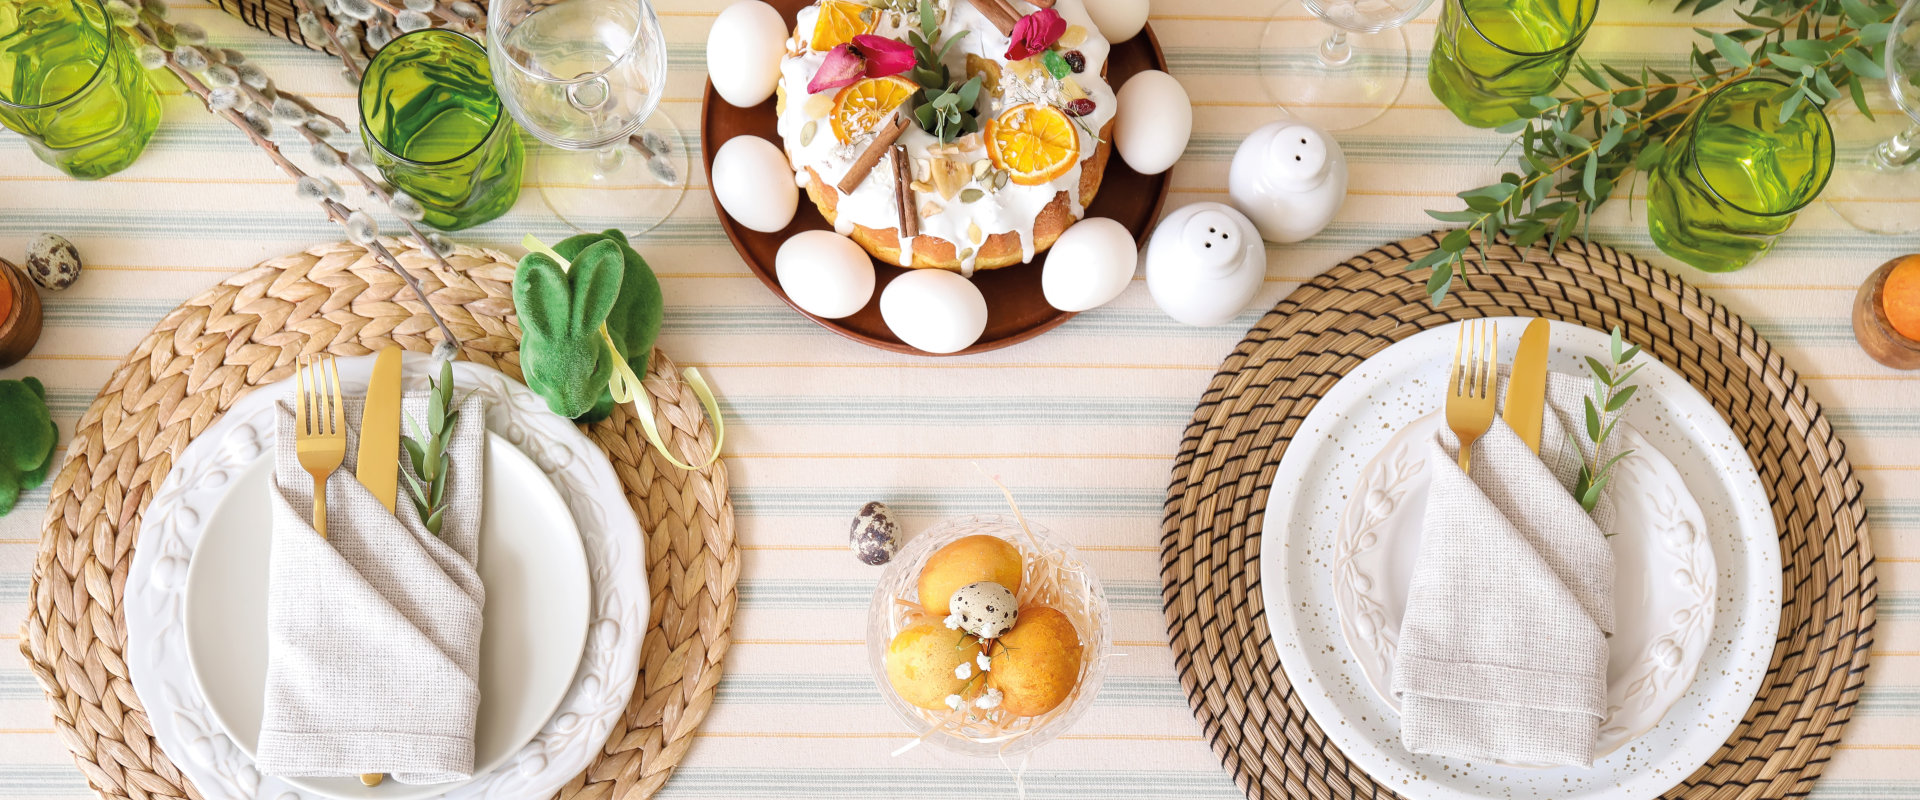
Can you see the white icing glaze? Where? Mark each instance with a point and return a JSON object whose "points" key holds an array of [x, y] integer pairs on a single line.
{"points": [[1012, 208]]}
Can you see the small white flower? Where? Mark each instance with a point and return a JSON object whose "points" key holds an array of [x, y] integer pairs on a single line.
{"points": [[289, 111], [221, 76], [954, 701], [963, 671], [988, 699], [360, 228], [952, 622], [310, 189], [223, 99], [325, 155], [986, 664], [411, 21], [253, 76], [407, 208], [191, 58], [190, 33], [151, 57]]}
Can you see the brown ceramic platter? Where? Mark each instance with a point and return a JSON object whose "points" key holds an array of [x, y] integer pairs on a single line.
{"points": [[1016, 309]]}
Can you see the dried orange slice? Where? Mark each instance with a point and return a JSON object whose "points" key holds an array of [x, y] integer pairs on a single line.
{"points": [[839, 21], [1034, 143], [860, 107]]}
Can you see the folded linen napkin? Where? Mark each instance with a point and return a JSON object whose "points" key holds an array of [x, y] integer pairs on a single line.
{"points": [[374, 632], [1503, 651]]}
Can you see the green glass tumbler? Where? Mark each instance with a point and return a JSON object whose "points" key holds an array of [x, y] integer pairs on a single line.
{"points": [[436, 129], [1736, 174], [70, 84], [1490, 56]]}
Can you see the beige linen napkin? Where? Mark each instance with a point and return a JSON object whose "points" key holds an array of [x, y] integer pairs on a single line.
{"points": [[1503, 651], [374, 632]]}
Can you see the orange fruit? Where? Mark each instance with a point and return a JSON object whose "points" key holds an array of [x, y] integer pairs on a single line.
{"points": [[1033, 143], [839, 21], [1901, 297], [860, 107]]}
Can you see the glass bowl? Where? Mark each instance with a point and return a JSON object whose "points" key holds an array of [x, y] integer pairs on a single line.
{"points": [[886, 618]]}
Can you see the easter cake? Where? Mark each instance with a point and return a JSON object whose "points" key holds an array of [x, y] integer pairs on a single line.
{"points": [[994, 114]]}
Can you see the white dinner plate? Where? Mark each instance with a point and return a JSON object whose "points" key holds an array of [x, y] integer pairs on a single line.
{"points": [[1663, 574], [1320, 469], [534, 627]]}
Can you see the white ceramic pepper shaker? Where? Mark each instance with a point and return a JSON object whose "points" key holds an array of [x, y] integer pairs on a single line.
{"points": [[1290, 178], [1205, 262]]}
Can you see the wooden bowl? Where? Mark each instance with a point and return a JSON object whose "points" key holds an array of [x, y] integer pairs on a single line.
{"points": [[1016, 309], [19, 315], [1872, 328]]}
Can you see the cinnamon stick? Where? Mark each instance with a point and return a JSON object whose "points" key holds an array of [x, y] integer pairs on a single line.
{"points": [[883, 138], [1000, 13], [903, 189]]}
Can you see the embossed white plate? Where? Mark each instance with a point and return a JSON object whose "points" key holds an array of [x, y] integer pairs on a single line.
{"points": [[1318, 473], [207, 470], [1663, 586], [535, 621]]}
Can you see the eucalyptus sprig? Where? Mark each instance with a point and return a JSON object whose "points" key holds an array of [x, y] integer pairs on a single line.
{"points": [[426, 451], [1611, 393], [1577, 147], [941, 106]]}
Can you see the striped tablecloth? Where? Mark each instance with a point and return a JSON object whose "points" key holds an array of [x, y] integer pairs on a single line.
{"points": [[1082, 422]]}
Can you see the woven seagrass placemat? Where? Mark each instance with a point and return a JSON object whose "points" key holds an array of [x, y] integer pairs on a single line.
{"points": [[246, 332], [1210, 539]]}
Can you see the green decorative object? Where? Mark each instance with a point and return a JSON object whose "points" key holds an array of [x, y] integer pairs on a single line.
{"points": [[436, 129], [27, 437], [1741, 167], [1490, 57], [599, 292], [70, 84]]}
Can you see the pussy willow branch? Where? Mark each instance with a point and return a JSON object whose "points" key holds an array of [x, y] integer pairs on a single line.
{"points": [[335, 210], [333, 36]]}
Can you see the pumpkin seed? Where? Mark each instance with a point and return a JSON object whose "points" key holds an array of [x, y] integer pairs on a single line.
{"points": [[807, 131], [971, 195], [973, 232], [1000, 180]]}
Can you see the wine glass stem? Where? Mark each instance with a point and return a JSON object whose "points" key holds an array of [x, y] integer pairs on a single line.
{"points": [[607, 161], [1901, 151], [1336, 51]]}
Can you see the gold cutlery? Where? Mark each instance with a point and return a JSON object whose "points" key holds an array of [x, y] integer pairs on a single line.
{"points": [[377, 464], [1470, 385], [320, 428], [1527, 385]]}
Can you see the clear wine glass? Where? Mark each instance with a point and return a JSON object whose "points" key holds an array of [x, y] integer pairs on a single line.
{"points": [[586, 77], [1341, 63], [1876, 184]]}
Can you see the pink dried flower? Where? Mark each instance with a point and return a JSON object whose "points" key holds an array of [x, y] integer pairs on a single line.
{"points": [[867, 56], [1035, 32]]}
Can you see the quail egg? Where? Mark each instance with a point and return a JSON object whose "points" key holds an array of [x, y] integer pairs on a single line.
{"points": [[985, 609]]}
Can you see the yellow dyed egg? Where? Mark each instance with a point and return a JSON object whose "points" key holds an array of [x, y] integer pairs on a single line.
{"points": [[1037, 663], [966, 561], [922, 662]]}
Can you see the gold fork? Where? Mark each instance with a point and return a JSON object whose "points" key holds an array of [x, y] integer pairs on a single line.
{"points": [[1470, 385], [320, 428]]}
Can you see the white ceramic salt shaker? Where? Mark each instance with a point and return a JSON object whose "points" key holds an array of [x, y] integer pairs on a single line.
{"points": [[1290, 179], [1205, 262]]}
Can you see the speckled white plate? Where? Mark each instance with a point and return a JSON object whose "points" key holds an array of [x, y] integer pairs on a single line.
{"points": [[1663, 575], [1320, 470]]}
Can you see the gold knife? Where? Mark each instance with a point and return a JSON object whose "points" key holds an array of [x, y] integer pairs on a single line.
{"points": [[1527, 385], [378, 463]]}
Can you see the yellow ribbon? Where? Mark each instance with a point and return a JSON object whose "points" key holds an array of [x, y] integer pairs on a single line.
{"points": [[625, 386]]}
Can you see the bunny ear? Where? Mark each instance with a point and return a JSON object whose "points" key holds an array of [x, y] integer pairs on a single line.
{"points": [[540, 296], [596, 285]]}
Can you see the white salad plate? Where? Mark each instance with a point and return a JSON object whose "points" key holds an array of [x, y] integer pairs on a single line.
{"points": [[1323, 467], [534, 623], [536, 460], [1663, 567]]}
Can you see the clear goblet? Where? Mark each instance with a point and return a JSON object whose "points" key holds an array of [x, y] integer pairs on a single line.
{"points": [[1344, 70], [586, 77], [1876, 184]]}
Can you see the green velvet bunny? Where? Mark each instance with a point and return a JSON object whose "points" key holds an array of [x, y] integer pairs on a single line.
{"points": [[26, 439], [562, 352]]}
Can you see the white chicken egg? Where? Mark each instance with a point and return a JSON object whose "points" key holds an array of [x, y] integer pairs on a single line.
{"points": [[934, 310], [744, 49], [825, 274], [754, 184], [1119, 20], [1090, 264], [1153, 122]]}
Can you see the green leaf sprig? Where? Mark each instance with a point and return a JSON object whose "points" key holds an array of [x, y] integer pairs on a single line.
{"points": [[1577, 148], [426, 451], [1611, 393], [941, 106]]}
